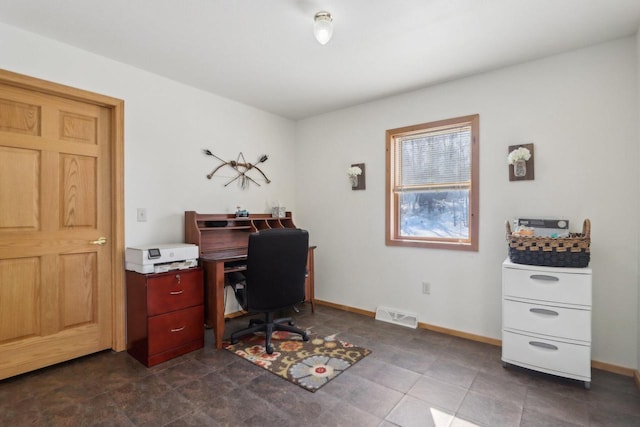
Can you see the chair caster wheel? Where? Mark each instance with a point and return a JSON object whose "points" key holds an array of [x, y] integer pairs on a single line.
{"points": [[291, 323], [233, 341], [305, 337], [270, 349]]}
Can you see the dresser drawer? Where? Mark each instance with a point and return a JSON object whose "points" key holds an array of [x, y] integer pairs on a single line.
{"points": [[558, 287], [174, 291], [549, 320], [174, 329], [551, 356]]}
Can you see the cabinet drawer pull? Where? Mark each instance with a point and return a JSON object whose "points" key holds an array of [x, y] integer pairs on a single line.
{"points": [[543, 345], [178, 329], [176, 292], [544, 277], [544, 311]]}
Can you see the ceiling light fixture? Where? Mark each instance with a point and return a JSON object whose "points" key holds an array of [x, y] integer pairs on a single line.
{"points": [[323, 27]]}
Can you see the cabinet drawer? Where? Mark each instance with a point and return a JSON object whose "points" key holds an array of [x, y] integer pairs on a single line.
{"points": [[547, 320], [568, 288], [175, 329], [555, 357], [174, 291]]}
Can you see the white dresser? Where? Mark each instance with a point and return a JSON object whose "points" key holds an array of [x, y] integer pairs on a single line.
{"points": [[546, 319]]}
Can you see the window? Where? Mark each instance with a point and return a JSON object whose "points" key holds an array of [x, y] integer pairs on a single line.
{"points": [[432, 185]]}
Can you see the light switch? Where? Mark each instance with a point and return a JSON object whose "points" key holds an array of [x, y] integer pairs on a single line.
{"points": [[142, 214]]}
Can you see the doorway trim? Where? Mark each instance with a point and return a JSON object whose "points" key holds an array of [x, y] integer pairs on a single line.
{"points": [[116, 106]]}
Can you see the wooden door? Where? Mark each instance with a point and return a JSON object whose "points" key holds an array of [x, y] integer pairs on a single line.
{"points": [[57, 294]]}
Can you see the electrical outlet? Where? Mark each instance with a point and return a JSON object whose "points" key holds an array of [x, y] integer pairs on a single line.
{"points": [[142, 214], [426, 288]]}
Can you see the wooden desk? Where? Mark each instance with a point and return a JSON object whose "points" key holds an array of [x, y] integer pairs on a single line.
{"points": [[222, 240], [216, 265]]}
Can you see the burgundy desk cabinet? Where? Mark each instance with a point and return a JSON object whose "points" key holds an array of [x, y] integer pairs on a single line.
{"points": [[165, 314]]}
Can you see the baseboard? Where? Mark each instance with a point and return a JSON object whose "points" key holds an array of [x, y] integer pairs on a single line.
{"points": [[621, 370], [628, 372], [421, 325], [345, 308], [460, 334]]}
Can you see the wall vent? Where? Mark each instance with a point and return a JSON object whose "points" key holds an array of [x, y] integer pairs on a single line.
{"points": [[398, 317]]}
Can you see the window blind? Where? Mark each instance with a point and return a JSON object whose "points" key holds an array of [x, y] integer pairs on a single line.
{"points": [[434, 160]]}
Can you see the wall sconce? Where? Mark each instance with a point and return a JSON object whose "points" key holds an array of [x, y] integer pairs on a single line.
{"points": [[520, 160], [357, 176], [323, 27]]}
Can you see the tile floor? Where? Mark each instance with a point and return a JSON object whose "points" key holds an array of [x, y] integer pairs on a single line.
{"points": [[412, 378]]}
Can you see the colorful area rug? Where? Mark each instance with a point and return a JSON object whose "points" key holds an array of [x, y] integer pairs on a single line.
{"points": [[309, 364]]}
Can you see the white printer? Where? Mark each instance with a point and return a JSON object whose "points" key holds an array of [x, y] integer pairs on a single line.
{"points": [[160, 258]]}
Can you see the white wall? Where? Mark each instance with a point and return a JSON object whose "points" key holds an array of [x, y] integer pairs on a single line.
{"points": [[167, 125], [580, 110], [638, 231]]}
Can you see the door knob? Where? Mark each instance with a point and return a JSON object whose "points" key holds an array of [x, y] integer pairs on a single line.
{"points": [[100, 241]]}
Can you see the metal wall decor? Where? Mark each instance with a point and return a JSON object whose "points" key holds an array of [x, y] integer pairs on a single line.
{"points": [[241, 166]]}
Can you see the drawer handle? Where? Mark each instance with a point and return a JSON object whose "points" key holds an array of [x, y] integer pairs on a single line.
{"points": [[543, 311], [543, 345], [176, 292], [544, 277], [177, 329]]}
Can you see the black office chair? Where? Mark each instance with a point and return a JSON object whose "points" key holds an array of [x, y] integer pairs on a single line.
{"points": [[274, 280]]}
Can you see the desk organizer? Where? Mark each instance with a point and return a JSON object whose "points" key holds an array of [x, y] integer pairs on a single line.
{"points": [[215, 232], [572, 251]]}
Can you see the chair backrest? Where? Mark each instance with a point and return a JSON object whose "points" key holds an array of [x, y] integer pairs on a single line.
{"points": [[276, 268]]}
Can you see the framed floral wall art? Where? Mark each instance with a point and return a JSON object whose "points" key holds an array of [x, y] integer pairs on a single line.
{"points": [[520, 161]]}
